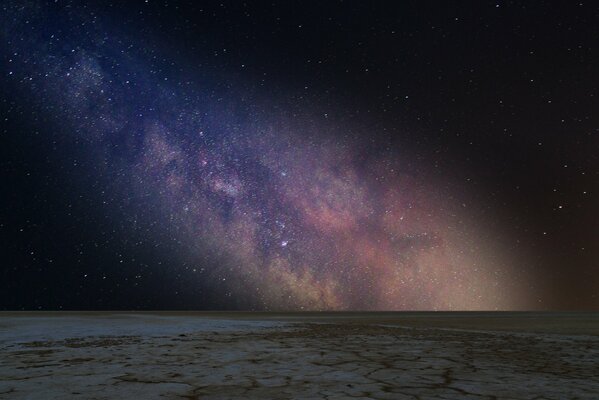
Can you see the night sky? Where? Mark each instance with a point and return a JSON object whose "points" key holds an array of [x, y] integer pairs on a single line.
{"points": [[282, 155]]}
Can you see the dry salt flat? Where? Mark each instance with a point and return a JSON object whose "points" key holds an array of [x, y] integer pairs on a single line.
{"points": [[122, 356]]}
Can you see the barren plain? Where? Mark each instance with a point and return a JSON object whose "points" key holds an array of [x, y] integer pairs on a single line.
{"points": [[177, 355]]}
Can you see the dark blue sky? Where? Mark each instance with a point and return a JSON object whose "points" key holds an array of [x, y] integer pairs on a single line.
{"points": [[299, 155]]}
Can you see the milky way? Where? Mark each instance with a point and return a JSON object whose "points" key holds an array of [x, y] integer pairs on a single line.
{"points": [[299, 206]]}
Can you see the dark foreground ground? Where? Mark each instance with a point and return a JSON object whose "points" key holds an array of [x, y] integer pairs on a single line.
{"points": [[172, 355]]}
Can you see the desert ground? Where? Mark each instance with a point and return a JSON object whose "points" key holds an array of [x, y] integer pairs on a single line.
{"points": [[177, 355]]}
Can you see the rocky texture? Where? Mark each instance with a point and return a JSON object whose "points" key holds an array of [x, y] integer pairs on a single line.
{"points": [[174, 358]]}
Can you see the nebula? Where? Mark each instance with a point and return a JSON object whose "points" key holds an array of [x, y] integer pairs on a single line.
{"points": [[300, 209]]}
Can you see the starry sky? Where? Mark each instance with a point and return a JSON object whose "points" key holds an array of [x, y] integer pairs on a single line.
{"points": [[287, 155]]}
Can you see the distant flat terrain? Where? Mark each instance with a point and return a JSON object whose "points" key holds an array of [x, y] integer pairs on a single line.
{"points": [[225, 355]]}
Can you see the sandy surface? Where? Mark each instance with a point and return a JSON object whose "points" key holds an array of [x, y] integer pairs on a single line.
{"points": [[295, 356]]}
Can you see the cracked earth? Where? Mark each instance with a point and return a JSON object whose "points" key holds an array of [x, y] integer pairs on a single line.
{"points": [[154, 357]]}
